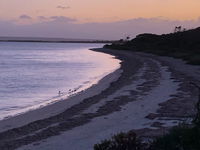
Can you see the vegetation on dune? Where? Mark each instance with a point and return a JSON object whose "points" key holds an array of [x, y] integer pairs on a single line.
{"points": [[121, 141], [182, 43], [182, 137]]}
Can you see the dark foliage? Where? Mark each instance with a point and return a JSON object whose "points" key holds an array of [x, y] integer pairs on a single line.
{"points": [[182, 137], [184, 44], [179, 138], [122, 141]]}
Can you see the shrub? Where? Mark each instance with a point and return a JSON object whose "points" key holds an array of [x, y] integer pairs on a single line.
{"points": [[121, 141], [179, 138]]}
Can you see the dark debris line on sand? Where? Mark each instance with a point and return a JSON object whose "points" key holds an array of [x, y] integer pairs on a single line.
{"points": [[27, 134]]}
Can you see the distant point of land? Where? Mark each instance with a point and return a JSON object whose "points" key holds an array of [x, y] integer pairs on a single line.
{"points": [[51, 40], [184, 44]]}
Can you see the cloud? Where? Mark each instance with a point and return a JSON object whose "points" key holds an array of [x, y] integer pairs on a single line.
{"points": [[62, 19], [63, 7], [61, 26], [42, 18], [26, 17]]}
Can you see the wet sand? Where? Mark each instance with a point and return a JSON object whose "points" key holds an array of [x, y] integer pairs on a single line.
{"points": [[148, 94]]}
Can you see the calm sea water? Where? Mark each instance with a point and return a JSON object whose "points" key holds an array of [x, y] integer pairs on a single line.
{"points": [[31, 74]]}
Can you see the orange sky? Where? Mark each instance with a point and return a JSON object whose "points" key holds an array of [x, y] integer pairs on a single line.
{"points": [[101, 10]]}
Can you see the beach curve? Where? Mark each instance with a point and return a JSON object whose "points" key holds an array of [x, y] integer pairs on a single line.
{"points": [[135, 97]]}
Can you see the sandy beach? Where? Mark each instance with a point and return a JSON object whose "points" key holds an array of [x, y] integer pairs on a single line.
{"points": [[147, 94]]}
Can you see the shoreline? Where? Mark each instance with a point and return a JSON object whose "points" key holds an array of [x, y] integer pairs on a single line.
{"points": [[143, 95], [51, 108], [73, 94]]}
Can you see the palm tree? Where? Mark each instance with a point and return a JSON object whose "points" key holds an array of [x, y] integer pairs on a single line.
{"points": [[178, 29], [128, 38]]}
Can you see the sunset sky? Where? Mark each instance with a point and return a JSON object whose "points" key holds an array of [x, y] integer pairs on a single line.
{"points": [[29, 12]]}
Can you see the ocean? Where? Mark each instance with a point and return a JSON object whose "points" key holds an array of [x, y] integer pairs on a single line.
{"points": [[33, 75]]}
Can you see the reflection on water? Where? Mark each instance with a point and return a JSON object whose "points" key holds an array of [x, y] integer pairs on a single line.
{"points": [[32, 74]]}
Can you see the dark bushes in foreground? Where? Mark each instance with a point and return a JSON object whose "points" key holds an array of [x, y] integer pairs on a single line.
{"points": [[122, 141], [181, 137]]}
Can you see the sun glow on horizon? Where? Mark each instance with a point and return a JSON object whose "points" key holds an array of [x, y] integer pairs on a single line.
{"points": [[101, 11], [95, 19]]}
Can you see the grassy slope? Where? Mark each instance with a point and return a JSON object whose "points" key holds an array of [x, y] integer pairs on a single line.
{"points": [[185, 45]]}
